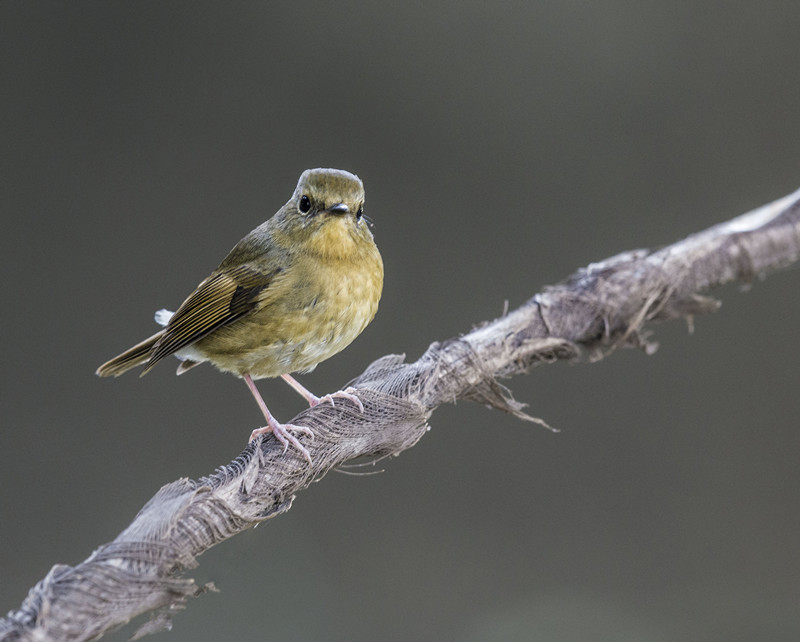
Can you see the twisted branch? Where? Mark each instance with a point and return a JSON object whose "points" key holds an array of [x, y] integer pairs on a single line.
{"points": [[598, 309]]}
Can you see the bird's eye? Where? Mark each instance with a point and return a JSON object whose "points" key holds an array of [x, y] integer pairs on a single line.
{"points": [[305, 203], [360, 212]]}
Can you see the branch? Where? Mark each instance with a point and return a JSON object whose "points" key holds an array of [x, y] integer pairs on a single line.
{"points": [[598, 309]]}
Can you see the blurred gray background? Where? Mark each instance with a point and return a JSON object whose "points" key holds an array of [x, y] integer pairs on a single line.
{"points": [[502, 145]]}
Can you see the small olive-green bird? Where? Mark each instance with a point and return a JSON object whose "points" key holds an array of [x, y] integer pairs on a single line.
{"points": [[296, 290]]}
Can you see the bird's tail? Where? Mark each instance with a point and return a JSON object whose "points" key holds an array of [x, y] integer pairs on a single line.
{"points": [[132, 357]]}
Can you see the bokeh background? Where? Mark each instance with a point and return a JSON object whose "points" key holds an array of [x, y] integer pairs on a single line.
{"points": [[503, 145]]}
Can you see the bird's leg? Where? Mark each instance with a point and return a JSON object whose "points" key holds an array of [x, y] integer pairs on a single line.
{"points": [[281, 431], [313, 400]]}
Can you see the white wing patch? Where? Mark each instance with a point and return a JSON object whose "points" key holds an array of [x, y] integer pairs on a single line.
{"points": [[163, 316]]}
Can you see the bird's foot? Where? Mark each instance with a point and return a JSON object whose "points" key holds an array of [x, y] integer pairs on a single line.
{"points": [[283, 434], [348, 394]]}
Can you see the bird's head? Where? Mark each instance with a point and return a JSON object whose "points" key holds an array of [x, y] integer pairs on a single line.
{"points": [[326, 213]]}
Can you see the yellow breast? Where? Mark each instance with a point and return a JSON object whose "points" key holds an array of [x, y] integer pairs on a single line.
{"points": [[314, 309]]}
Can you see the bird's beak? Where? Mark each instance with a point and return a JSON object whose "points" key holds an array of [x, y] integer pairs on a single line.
{"points": [[339, 208]]}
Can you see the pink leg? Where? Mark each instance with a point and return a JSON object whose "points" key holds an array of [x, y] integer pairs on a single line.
{"points": [[313, 400], [281, 431]]}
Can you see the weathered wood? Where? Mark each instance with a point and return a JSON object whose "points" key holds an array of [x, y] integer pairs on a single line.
{"points": [[600, 308]]}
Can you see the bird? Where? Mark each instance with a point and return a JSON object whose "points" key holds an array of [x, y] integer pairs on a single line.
{"points": [[296, 290]]}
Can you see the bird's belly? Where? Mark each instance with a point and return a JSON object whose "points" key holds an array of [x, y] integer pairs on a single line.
{"points": [[291, 334]]}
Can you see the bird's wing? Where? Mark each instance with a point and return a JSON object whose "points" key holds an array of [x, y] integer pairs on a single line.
{"points": [[221, 298]]}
